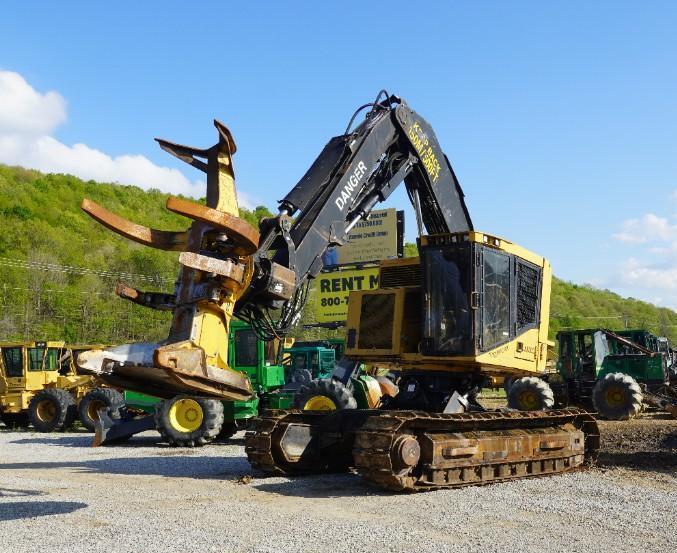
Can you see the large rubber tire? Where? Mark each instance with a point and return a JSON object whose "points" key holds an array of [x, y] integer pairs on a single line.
{"points": [[186, 421], [324, 394], [51, 409], [15, 420], [507, 383], [617, 396], [301, 376], [98, 398], [530, 394]]}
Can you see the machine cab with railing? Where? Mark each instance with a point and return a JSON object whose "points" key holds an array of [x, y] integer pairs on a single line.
{"points": [[305, 361]]}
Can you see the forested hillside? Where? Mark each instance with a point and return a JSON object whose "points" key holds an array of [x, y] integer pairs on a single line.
{"points": [[58, 267], [575, 306]]}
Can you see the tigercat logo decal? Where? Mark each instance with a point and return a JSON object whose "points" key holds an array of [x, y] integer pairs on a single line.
{"points": [[420, 140], [352, 184]]}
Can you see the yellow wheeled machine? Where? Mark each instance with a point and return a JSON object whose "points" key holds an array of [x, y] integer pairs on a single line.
{"points": [[39, 384]]}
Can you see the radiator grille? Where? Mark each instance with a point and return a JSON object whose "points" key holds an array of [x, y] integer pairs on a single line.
{"points": [[403, 275], [376, 321], [528, 284]]}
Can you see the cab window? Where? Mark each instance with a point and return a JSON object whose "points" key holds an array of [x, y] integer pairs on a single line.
{"points": [[496, 324], [245, 348], [52, 359], [35, 357], [271, 351], [448, 321], [13, 359], [565, 346], [565, 354], [300, 361], [584, 349]]}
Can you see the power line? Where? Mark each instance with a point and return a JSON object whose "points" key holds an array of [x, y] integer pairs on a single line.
{"points": [[596, 317], [628, 318], [59, 291], [72, 269]]}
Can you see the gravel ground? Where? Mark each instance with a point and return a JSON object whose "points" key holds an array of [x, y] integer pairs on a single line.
{"points": [[58, 494]]}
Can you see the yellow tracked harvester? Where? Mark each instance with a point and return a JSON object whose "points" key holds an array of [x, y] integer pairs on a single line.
{"points": [[471, 307]]}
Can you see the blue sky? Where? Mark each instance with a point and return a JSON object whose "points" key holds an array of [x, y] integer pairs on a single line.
{"points": [[560, 119]]}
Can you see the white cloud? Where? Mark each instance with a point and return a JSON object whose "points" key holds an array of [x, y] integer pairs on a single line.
{"points": [[652, 273], [24, 111], [671, 249], [648, 228], [641, 274], [651, 280], [28, 119]]}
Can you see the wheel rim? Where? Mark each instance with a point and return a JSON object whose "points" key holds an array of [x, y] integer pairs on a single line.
{"points": [[615, 397], [319, 403], [185, 415], [46, 410], [528, 400], [93, 409]]}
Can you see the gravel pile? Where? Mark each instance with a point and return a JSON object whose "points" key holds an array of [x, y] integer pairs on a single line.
{"points": [[57, 494]]}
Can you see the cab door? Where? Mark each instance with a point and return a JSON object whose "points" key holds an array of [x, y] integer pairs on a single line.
{"points": [[566, 360], [246, 353], [35, 375], [51, 364], [585, 357]]}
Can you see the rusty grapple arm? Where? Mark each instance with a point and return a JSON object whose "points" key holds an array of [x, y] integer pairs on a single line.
{"points": [[216, 268]]}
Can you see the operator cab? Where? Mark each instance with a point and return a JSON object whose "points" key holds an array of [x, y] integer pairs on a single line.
{"points": [[29, 365], [477, 294], [469, 294]]}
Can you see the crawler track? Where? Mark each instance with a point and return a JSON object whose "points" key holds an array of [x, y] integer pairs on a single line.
{"points": [[410, 450], [473, 448], [263, 443]]}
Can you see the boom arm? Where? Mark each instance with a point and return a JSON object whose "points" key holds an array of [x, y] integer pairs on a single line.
{"points": [[354, 172], [227, 267]]}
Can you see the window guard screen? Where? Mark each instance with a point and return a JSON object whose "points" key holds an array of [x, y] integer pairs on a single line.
{"points": [[528, 294], [377, 314]]}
